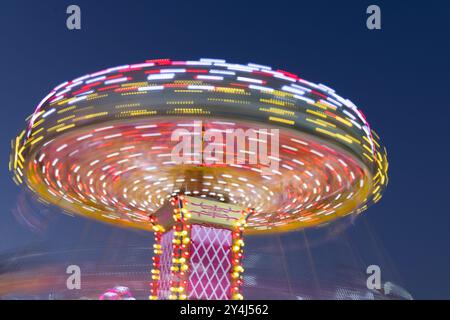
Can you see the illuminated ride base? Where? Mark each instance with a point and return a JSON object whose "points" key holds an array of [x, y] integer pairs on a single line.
{"points": [[198, 255], [99, 146]]}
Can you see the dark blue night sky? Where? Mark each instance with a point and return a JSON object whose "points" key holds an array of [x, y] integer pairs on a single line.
{"points": [[398, 76]]}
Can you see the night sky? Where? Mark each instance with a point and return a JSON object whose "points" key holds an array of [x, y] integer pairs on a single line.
{"points": [[398, 76]]}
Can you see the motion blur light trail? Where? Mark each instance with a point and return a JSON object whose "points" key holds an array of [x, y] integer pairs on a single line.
{"points": [[99, 146], [125, 265], [94, 144]]}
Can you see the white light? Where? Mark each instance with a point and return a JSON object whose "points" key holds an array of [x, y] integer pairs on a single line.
{"points": [[77, 99], [212, 60], [205, 77], [84, 137], [214, 71], [61, 148], [142, 65], [173, 70], [193, 87], [116, 80], [146, 126], [95, 79], [293, 90], [245, 79], [254, 65], [49, 112], [310, 101], [261, 88], [118, 68], [161, 76], [151, 88]]}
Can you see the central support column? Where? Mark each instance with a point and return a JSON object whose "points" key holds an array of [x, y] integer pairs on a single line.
{"points": [[198, 250]]}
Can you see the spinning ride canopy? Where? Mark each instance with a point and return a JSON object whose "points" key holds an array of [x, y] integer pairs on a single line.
{"points": [[100, 145]]}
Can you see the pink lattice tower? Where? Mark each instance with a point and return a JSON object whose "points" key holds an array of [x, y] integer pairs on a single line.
{"points": [[198, 251]]}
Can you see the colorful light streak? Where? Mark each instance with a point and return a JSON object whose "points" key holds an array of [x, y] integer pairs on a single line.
{"points": [[100, 146], [97, 146]]}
